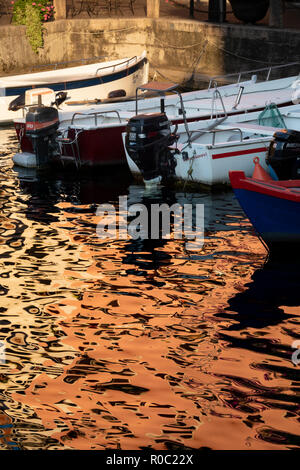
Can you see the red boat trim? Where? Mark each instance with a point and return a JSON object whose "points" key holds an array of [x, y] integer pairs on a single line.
{"points": [[39, 125], [278, 189], [238, 153]]}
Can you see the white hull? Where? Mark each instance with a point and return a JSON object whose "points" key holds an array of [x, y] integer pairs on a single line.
{"points": [[107, 121], [198, 104], [99, 91], [208, 160]]}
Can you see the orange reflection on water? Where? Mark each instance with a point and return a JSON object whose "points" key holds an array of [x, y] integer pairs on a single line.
{"points": [[132, 344], [142, 355]]}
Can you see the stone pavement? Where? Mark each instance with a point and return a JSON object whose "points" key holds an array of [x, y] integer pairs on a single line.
{"points": [[180, 8], [171, 9]]}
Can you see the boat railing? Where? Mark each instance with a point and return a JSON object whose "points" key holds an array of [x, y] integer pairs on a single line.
{"points": [[161, 89], [214, 112], [126, 62], [214, 132], [233, 129], [214, 80], [65, 141], [96, 115], [238, 97]]}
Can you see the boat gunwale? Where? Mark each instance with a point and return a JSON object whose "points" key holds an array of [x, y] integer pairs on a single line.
{"points": [[288, 189]]}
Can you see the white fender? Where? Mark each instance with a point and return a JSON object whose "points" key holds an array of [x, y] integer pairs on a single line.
{"points": [[25, 159], [296, 96]]}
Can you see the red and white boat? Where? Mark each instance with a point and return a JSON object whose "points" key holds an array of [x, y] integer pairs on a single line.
{"points": [[193, 155], [92, 136]]}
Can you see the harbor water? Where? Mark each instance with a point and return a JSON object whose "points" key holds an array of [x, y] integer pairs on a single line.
{"points": [[137, 344]]}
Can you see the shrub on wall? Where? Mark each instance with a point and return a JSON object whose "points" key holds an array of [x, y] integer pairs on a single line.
{"points": [[33, 15]]}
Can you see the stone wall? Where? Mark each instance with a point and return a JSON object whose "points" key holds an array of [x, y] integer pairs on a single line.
{"points": [[183, 45]]}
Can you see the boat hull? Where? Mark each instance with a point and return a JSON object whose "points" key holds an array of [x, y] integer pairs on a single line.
{"points": [[273, 211], [209, 165], [90, 154], [97, 147], [91, 88]]}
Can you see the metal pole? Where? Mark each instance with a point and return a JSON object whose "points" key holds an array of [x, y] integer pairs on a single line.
{"points": [[276, 14], [216, 11], [221, 9], [192, 8]]}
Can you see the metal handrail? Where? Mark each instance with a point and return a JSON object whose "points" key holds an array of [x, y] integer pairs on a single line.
{"points": [[116, 65], [238, 97], [63, 140], [95, 114], [214, 131], [213, 80], [216, 95], [222, 130], [169, 87]]}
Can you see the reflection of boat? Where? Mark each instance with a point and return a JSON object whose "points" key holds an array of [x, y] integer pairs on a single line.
{"points": [[62, 186], [273, 287], [100, 81], [93, 135], [273, 209]]}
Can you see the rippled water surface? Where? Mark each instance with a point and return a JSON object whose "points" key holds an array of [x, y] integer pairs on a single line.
{"points": [[139, 344]]}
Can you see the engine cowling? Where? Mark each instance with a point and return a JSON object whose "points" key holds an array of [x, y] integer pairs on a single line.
{"points": [[148, 137], [41, 120], [284, 154], [42, 123]]}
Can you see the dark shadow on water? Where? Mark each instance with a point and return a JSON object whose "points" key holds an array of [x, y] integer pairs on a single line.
{"points": [[274, 285], [47, 189], [144, 254]]}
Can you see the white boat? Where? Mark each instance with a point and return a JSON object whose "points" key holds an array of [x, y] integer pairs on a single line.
{"points": [[115, 79], [88, 129], [200, 152], [206, 157]]}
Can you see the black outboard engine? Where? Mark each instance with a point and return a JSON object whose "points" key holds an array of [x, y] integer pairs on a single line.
{"points": [[60, 97], [17, 103], [41, 127], [284, 154], [148, 137]]}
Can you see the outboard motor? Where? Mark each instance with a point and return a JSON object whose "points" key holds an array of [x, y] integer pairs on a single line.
{"points": [[60, 97], [148, 138], [17, 103], [41, 127], [37, 96], [284, 154]]}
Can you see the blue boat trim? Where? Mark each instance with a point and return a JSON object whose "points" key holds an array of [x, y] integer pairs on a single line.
{"points": [[273, 208], [273, 218], [15, 91]]}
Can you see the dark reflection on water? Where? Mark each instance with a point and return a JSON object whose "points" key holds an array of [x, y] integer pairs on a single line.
{"points": [[134, 344]]}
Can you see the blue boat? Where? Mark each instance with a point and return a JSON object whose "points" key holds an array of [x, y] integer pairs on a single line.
{"points": [[273, 208]]}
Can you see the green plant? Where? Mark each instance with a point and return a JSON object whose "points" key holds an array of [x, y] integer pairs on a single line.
{"points": [[34, 28], [33, 15]]}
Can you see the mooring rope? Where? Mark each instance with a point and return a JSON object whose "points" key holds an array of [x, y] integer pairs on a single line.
{"points": [[189, 46]]}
